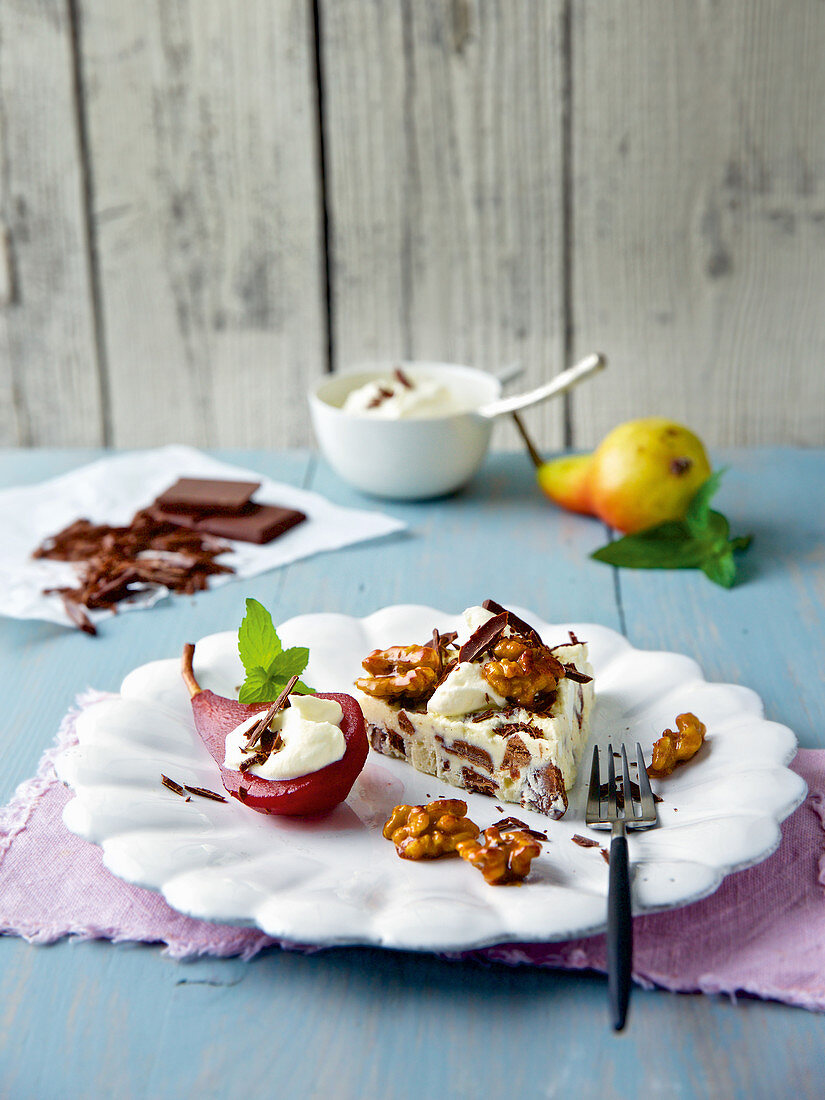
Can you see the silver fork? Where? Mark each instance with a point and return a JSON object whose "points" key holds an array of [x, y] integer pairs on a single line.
{"points": [[634, 813]]}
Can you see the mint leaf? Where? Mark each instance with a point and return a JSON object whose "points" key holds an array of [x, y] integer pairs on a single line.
{"points": [[256, 686], [260, 688], [721, 569], [258, 641], [666, 546], [698, 513], [716, 529], [700, 541], [291, 662], [269, 667]]}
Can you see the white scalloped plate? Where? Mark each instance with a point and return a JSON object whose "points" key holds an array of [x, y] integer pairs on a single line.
{"points": [[337, 881]]}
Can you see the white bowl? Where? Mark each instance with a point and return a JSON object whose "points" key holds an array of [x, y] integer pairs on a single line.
{"points": [[411, 459]]}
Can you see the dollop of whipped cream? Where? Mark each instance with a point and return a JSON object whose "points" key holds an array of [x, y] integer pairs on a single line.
{"points": [[401, 397], [310, 729], [465, 690]]}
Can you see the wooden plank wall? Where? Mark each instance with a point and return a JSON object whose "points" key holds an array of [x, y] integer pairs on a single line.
{"points": [[204, 205]]}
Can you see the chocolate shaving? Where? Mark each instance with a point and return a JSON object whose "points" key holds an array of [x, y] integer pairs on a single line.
{"points": [[78, 615], [514, 622], [445, 672], [605, 855], [251, 761], [482, 638], [242, 793], [474, 781], [543, 703], [114, 563], [439, 642], [281, 703], [572, 673], [404, 722], [573, 639], [509, 824], [204, 792], [584, 841], [383, 395], [403, 379], [483, 715], [171, 784]]}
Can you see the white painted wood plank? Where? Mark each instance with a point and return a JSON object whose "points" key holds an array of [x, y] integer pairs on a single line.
{"points": [[49, 387], [444, 145], [203, 127], [699, 216]]}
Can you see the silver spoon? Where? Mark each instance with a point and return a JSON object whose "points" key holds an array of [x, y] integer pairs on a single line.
{"points": [[560, 384]]}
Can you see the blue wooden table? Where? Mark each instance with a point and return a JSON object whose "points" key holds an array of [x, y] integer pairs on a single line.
{"points": [[93, 1019]]}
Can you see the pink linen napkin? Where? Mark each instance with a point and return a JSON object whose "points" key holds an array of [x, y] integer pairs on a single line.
{"points": [[761, 933]]}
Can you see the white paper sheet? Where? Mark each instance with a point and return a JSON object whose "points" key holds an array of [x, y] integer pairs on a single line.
{"points": [[112, 489]]}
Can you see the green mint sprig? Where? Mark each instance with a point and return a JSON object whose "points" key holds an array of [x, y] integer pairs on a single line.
{"points": [[269, 667], [699, 541]]}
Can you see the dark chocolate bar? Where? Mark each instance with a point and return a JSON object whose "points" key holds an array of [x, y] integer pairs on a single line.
{"points": [[265, 523], [212, 495], [194, 520], [258, 523]]}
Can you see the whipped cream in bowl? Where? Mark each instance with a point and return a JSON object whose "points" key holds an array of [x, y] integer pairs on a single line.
{"points": [[403, 396], [410, 431], [403, 430]]}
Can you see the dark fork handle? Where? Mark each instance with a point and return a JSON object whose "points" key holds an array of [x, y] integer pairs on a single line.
{"points": [[619, 933]]}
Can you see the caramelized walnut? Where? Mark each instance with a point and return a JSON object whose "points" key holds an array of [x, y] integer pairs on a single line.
{"points": [[504, 857], [400, 658], [401, 672], [673, 748], [431, 831], [521, 672]]}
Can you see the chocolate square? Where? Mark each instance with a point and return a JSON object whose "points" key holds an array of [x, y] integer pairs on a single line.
{"points": [[260, 525], [212, 495], [193, 520]]}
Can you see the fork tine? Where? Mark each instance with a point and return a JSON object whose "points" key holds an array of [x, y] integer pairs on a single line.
{"points": [[612, 807], [648, 801], [594, 800], [629, 805]]}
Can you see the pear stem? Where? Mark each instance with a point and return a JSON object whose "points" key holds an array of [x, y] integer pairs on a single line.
{"points": [[531, 450], [188, 672]]}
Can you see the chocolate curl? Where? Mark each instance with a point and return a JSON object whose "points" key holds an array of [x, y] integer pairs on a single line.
{"points": [[514, 622], [262, 724], [482, 638]]}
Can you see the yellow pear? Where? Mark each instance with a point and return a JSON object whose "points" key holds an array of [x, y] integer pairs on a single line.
{"points": [[645, 472], [566, 481]]}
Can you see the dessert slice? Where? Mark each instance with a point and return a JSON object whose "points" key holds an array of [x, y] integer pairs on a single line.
{"points": [[491, 708]]}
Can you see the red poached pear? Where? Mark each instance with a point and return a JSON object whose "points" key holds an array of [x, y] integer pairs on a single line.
{"points": [[317, 792]]}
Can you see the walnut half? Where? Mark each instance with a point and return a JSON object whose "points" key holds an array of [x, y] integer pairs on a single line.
{"points": [[504, 857], [431, 831], [521, 671], [401, 672], [673, 748]]}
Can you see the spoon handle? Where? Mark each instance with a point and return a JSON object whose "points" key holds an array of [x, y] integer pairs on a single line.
{"points": [[560, 384]]}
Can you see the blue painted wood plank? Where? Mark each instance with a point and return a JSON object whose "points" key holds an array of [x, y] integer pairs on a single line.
{"points": [[99, 1020], [498, 537]]}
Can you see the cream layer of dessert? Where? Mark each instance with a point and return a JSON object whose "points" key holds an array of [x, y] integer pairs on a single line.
{"points": [[489, 708]]}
